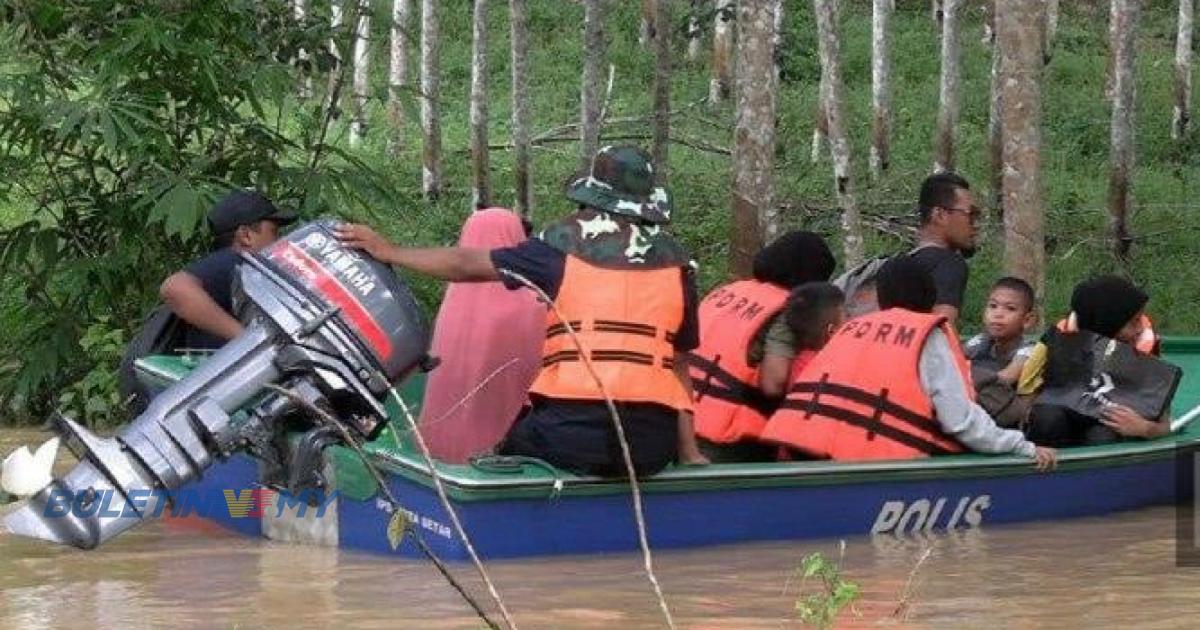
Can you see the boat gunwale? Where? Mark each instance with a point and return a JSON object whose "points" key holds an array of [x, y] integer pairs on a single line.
{"points": [[465, 485]]}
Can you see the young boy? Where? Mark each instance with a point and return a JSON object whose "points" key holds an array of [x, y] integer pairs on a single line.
{"points": [[1009, 315], [999, 353], [1108, 306]]}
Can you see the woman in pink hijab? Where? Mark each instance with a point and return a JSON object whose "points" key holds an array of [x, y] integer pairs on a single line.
{"points": [[481, 327]]}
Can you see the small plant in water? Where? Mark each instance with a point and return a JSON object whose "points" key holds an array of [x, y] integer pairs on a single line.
{"points": [[821, 608]]}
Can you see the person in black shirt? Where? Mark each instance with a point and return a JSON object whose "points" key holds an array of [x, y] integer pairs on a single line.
{"points": [[202, 293], [949, 227]]}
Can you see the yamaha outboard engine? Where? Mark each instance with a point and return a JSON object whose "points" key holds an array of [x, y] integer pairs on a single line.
{"points": [[327, 323]]}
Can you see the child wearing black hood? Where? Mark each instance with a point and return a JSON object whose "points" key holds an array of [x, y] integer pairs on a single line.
{"points": [[1111, 307]]}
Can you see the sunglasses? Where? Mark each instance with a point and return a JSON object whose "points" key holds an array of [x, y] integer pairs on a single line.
{"points": [[974, 214]]}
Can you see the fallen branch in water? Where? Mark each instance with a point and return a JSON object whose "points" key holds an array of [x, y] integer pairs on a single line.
{"points": [[393, 503], [635, 489], [450, 511], [904, 606]]}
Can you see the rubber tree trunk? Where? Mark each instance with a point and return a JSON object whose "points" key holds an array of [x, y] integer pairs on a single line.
{"points": [[336, 20], [595, 50], [947, 120], [661, 149], [361, 86], [646, 26], [694, 32], [1018, 28], [519, 22], [820, 117], [1183, 71], [839, 143], [995, 139], [431, 126], [754, 134], [481, 188], [881, 98], [1120, 192], [1050, 30], [777, 38], [721, 83], [300, 12], [398, 70]]}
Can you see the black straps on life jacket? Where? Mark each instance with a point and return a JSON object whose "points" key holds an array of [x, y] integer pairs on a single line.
{"points": [[728, 388]]}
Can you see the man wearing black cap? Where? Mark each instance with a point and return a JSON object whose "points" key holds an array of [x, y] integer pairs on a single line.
{"points": [[949, 226], [201, 294]]}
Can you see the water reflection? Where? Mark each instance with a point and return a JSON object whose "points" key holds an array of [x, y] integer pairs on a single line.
{"points": [[1115, 571]]}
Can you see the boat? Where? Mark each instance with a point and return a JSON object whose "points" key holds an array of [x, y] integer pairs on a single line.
{"points": [[520, 508]]}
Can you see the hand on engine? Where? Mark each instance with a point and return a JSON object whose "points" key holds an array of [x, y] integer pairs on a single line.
{"points": [[364, 238]]}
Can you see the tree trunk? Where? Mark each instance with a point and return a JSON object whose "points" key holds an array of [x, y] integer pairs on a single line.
{"points": [[646, 26], [995, 111], [1183, 71], [361, 86], [777, 38], [431, 126], [937, 10], [398, 70], [481, 189], [839, 143], [820, 117], [335, 24], [1018, 28], [519, 19], [947, 121], [754, 134], [595, 50], [300, 12], [881, 100], [719, 86], [1124, 31], [662, 92], [694, 32], [1051, 28]]}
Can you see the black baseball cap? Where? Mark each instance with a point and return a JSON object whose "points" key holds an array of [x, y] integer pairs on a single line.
{"points": [[243, 207]]}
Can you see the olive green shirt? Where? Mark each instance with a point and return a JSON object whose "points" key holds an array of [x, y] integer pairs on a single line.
{"points": [[775, 337]]}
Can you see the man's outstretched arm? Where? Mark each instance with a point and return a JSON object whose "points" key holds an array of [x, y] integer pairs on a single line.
{"points": [[456, 264]]}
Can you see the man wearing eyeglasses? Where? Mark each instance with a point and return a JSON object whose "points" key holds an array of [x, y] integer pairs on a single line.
{"points": [[949, 226]]}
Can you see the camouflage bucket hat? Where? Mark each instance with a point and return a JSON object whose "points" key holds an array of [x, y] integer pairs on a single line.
{"points": [[622, 182]]}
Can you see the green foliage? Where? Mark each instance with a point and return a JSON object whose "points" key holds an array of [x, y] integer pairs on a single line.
{"points": [[822, 607], [94, 399], [120, 125]]}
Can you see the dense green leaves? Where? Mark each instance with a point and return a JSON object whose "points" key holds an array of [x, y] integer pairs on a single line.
{"points": [[120, 124]]}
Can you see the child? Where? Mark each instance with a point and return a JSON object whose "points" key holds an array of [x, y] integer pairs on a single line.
{"points": [[1111, 307], [999, 353], [814, 312]]}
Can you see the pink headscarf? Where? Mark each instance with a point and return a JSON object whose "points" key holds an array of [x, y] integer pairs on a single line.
{"points": [[480, 327]]}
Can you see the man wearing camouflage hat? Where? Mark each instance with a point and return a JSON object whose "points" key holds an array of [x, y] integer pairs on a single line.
{"points": [[626, 288]]}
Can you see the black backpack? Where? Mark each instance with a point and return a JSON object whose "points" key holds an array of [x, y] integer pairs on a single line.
{"points": [[161, 333]]}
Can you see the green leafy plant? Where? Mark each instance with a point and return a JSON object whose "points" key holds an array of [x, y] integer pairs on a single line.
{"points": [[821, 607], [94, 399], [120, 125]]}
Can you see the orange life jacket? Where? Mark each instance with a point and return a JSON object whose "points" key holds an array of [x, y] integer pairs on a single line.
{"points": [[729, 405], [626, 321], [861, 396], [1147, 343]]}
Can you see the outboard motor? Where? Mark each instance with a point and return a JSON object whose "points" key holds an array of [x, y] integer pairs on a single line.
{"points": [[330, 324]]}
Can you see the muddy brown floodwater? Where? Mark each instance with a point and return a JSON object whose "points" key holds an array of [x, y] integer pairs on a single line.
{"points": [[1116, 571]]}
